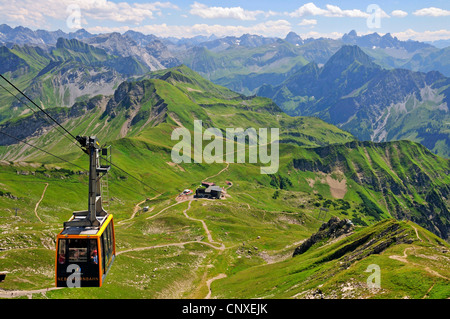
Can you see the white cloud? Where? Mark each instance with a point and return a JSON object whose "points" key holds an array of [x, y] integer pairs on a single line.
{"points": [[399, 13], [275, 28], [424, 35], [271, 13], [335, 11], [310, 9], [35, 13], [238, 13], [432, 12], [308, 22]]}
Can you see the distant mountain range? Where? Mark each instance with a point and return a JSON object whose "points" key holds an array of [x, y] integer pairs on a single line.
{"points": [[388, 51], [356, 94], [23, 35], [379, 88]]}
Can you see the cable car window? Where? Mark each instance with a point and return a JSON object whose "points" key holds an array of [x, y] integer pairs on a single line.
{"points": [[105, 251], [62, 251], [102, 242], [109, 248], [78, 250], [93, 251], [109, 242]]}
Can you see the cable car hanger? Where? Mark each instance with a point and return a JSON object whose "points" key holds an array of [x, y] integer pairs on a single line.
{"points": [[96, 172]]}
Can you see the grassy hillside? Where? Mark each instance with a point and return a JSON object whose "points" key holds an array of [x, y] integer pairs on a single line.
{"points": [[401, 250], [180, 247], [397, 179], [167, 253], [150, 109]]}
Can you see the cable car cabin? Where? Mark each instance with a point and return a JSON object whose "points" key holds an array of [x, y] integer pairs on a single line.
{"points": [[86, 248], [84, 255]]}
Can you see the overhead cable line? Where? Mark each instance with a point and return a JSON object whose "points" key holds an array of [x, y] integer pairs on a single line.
{"points": [[75, 138], [39, 114], [40, 149], [40, 108], [106, 160]]}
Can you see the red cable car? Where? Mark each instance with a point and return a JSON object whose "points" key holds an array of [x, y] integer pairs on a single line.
{"points": [[85, 248]]}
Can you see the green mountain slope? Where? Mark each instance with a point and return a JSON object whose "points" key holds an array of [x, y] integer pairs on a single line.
{"points": [[430, 60], [180, 246], [398, 179], [341, 269], [170, 98], [62, 75]]}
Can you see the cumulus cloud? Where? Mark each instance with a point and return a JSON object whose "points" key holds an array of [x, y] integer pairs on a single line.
{"points": [[308, 22], [432, 12], [335, 11], [399, 13], [310, 9], [238, 13]]}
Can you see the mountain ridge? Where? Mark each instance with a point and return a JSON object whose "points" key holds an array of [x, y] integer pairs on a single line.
{"points": [[368, 101]]}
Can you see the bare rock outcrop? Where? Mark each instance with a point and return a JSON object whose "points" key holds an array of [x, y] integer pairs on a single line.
{"points": [[334, 228]]}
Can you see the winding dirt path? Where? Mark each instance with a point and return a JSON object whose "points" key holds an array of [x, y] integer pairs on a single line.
{"points": [[405, 260], [40, 200], [224, 169], [137, 207], [167, 245], [417, 233], [164, 209], [208, 233], [210, 281]]}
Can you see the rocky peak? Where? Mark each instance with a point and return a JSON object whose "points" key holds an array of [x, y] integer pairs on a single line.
{"points": [[350, 37], [293, 38], [347, 55], [332, 229], [80, 34]]}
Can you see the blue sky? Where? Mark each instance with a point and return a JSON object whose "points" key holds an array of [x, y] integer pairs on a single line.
{"points": [[418, 20]]}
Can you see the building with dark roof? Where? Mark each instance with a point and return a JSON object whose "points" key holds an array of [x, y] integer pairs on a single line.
{"points": [[212, 191]]}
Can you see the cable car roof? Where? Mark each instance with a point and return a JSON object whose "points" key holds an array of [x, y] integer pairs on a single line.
{"points": [[86, 230], [80, 231]]}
